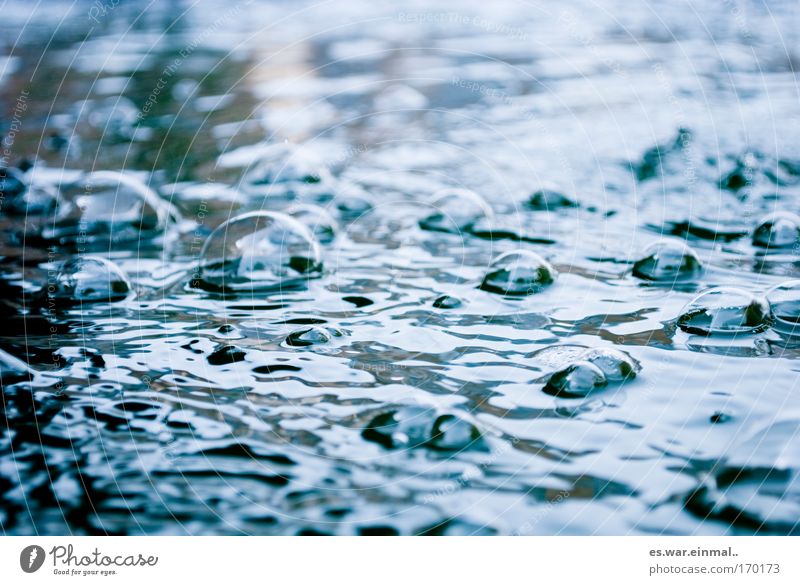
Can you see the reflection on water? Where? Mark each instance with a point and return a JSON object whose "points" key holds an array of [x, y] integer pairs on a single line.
{"points": [[477, 303]]}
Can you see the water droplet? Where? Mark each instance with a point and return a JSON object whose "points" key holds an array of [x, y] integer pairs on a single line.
{"points": [[317, 220], [259, 251], [725, 310], [549, 199], [287, 163], [668, 261], [784, 302], [576, 380], [107, 206], [88, 279], [455, 211], [309, 336], [414, 426], [616, 365], [777, 230], [518, 273], [447, 302]]}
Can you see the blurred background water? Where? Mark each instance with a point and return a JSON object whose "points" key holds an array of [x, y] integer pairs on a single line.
{"points": [[405, 384]]}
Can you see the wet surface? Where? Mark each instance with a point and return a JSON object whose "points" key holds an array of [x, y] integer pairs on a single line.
{"points": [[505, 270]]}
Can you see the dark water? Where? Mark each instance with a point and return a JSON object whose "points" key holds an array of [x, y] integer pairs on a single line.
{"points": [[380, 381]]}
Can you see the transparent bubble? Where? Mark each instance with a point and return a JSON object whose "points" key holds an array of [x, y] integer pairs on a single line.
{"points": [[309, 336], [351, 202], [576, 380], [414, 426], [777, 230], [455, 211], [725, 310], [668, 261], [447, 302], [616, 365], [88, 279], [519, 273], [317, 220], [22, 198], [287, 163], [108, 206], [549, 199], [259, 251], [784, 302]]}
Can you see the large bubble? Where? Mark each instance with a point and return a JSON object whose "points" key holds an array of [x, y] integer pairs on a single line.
{"points": [[725, 310], [777, 230], [518, 273], [668, 261], [456, 211], [259, 251], [108, 206], [784, 302], [89, 279]]}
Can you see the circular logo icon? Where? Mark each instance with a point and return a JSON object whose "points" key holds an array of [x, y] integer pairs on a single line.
{"points": [[31, 558]]}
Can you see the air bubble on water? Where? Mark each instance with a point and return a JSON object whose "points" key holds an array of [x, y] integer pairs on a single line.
{"points": [[282, 164], [616, 365], [89, 279], [784, 302], [777, 230], [725, 310], [19, 197], [576, 380], [549, 198], [351, 202], [317, 220], [109, 206], [518, 273], [315, 335], [668, 261], [259, 251], [456, 211], [447, 302], [413, 426]]}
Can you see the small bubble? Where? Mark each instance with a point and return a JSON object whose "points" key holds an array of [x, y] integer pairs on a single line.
{"points": [[668, 261], [89, 279], [784, 302], [777, 230], [455, 211], [725, 310], [518, 273], [576, 380]]}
